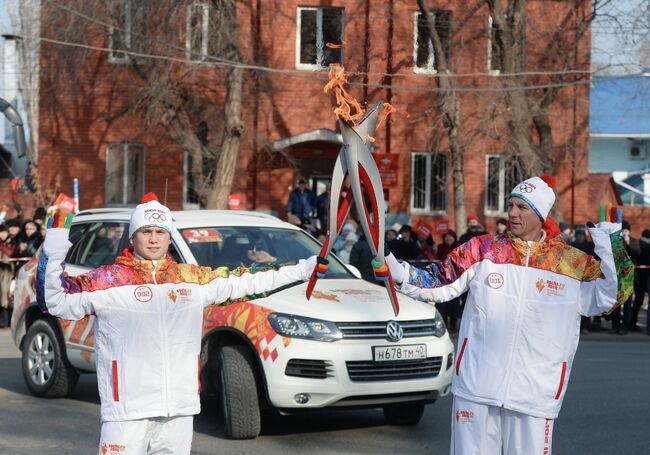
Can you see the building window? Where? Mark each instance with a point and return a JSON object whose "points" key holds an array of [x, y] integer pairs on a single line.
{"points": [[501, 176], [125, 174], [191, 199], [128, 30], [494, 54], [206, 35], [429, 180], [198, 20], [424, 54], [318, 27]]}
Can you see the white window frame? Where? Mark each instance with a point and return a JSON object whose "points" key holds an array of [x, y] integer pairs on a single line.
{"points": [[428, 211], [190, 53], [186, 170], [114, 54], [125, 175], [431, 61], [502, 210], [319, 38], [491, 71]]}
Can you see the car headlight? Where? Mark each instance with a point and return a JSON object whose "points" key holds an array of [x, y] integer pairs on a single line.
{"points": [[293, 326], [439, 328]]}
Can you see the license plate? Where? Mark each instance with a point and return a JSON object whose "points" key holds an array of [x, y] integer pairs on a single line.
{"points": [[394, 353]]}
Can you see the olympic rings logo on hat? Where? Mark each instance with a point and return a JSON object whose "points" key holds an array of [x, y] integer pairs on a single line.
{"points": [[526, 187], [155, 217]]}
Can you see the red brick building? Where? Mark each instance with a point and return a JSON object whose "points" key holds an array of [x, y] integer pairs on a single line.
{"points": [[290, 128]]}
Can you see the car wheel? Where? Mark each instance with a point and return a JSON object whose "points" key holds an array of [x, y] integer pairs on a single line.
{"points": [[46, 369], [404, 414], [240, 405]]}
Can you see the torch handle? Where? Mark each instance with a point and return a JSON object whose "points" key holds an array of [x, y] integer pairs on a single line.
{"points": [[390, 286], [312, 279]]}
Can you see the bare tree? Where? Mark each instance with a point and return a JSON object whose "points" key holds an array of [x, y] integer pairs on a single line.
{"points": [[173, 64], [449, 108], [526, 109]]}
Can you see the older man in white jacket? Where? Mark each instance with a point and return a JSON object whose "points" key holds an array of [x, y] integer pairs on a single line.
{"points": [[521, 323], [149, 313]]}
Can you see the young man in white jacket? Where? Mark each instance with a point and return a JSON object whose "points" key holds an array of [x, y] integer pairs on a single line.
{"points": [[521, 323], [149, 313]]}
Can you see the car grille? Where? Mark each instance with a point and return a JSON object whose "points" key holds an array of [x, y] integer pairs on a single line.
{"points": [[377, 330], [312, 369], [367, 370]]}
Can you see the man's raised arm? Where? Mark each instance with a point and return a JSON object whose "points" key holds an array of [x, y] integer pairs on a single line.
{"points": [[438, 282]]}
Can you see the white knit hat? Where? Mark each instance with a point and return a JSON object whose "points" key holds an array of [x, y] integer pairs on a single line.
{"points": [[150, 213], [538, 193]]}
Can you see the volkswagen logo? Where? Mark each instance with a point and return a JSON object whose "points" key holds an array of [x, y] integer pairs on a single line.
{"points": [[394, 331]]}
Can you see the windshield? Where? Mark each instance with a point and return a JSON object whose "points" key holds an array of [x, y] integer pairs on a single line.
{"points": [[233, 247]]}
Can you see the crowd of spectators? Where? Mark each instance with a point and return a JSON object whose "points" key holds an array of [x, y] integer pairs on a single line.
{"points": [[310, 212], [19, 240]]}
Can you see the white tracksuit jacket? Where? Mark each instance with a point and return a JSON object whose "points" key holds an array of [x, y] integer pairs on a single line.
{"points": [[148, 322], [521, 321]]}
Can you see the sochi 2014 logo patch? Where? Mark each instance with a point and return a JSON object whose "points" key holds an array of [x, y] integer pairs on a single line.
{"points": [[143, 293], [552, 287], [495, 280], [108, 449], [464, 416], [526, 187]]}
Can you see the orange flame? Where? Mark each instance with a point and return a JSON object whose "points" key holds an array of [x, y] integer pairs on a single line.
{"points": [[349, 109], [388, 109]]}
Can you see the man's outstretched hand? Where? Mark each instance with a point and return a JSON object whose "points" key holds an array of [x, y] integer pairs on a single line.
{"points": [[311, 264], [611, 219], [58, 218]]}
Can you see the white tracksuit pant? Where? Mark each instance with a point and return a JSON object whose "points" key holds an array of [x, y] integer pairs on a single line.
{"points": [[158, 435], [478, 429]]}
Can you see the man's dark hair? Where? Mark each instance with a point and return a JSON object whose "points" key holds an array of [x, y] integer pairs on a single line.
{"points": [[39, 213], [405, 228]]}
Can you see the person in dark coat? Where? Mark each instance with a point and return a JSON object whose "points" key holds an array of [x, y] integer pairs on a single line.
{"points": [[474, 229], [6, 275], [361, 257], [27, 242], [302, 201], [405, 247]]}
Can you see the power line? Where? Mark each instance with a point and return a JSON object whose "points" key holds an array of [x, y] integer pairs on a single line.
{"points": [[227, 62], [219, 62], [297, 74]]}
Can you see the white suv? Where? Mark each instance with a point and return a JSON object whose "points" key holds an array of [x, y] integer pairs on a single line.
{"points": [[343, 348]]}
